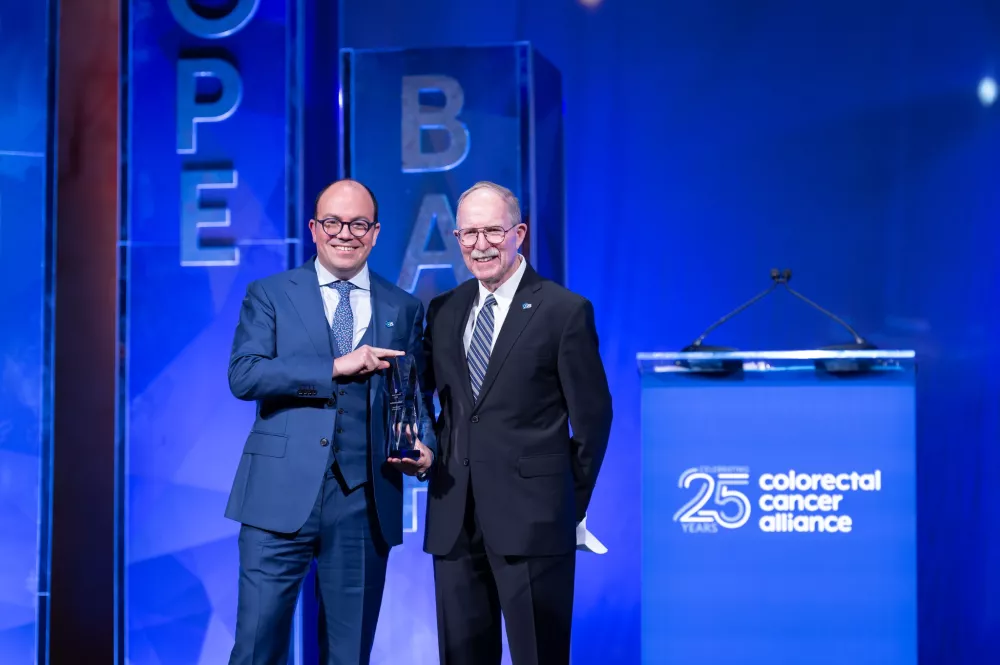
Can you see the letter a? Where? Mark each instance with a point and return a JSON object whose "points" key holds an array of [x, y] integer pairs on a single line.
{"points": [[435, 213]]}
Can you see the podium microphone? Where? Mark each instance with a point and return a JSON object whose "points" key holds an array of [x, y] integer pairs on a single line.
{"points": [[781, 278]]}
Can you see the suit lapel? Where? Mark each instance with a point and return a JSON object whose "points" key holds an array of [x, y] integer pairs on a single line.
{"points": [[463, 309], [384, 313], [524, 305], [384, 322], [303, 291]]}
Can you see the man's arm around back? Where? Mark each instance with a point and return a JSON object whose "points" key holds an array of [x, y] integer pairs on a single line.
{"points": [[588, 400]]}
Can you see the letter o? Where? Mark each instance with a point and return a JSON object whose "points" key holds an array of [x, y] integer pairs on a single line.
{"points": [[213, 28]]}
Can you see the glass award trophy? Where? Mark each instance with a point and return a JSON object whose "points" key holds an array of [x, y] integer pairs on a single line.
{"points": [[404, 408]]}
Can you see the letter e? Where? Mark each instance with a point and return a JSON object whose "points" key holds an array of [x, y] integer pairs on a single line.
{"points": [[194, 216]]}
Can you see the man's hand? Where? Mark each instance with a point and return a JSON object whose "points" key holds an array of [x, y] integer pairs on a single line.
{"points": [[363, 360], [413, 467]]}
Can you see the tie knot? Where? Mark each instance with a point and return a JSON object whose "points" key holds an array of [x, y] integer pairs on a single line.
{"points": [[490, 301], [343, 288]]}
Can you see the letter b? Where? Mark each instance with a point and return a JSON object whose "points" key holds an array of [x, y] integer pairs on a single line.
{"points": [[417, 118]]}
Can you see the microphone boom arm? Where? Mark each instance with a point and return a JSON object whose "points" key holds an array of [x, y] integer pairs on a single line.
{"points": [[858, 339], [763, 294], [781, 277]]}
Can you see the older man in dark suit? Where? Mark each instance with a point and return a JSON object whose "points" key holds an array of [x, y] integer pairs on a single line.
{"points": [[515, 363]]}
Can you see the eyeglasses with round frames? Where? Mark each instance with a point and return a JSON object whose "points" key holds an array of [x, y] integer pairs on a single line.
{"points": [[357, 227]]}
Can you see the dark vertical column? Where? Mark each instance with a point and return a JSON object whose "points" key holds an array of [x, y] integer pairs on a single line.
{"points": [[321, 109], [82, 610], [320, 104]]}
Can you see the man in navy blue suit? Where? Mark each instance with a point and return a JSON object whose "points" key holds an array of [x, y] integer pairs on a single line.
{"points": [[314, 481]]}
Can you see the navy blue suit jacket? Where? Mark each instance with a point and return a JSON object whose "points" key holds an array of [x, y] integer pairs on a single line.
{"points": [[282, 359]]}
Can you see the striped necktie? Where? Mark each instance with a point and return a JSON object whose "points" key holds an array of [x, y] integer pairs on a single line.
{"points": [[479, 349]]}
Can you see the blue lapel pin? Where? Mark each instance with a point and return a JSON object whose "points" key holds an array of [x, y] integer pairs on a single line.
{"points": [[526, 305], [389, 324]]}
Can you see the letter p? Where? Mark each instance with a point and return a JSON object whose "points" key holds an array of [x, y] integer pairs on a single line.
{"points": [[191, 111]]}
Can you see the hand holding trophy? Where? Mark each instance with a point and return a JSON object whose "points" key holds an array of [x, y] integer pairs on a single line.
{"points": [[406, 452]]}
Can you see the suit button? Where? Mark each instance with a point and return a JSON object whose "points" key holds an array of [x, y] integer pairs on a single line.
{"points": [[475, 419], [343, 392], [331, 402], [324, 442], [340, 410], [465, 462], [340, 431]]}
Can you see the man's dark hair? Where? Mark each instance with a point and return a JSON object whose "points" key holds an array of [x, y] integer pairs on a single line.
{"points": [[323, 191]]}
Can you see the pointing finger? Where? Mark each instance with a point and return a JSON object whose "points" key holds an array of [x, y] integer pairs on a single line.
{"points": [[387, 353]]}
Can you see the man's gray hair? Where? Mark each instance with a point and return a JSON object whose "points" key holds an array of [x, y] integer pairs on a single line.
{"points": [[513, 207]]}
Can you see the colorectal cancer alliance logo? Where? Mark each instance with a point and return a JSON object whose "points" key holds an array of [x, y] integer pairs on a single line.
{"points": [[790, 502]]}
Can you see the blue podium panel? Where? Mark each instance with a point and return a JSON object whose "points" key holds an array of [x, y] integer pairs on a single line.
{"points": [[211, 204], [421, 126], [26, 301], [779, 508]]}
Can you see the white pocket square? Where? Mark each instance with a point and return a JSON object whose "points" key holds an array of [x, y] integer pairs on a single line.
{"points": [[586, 541]]}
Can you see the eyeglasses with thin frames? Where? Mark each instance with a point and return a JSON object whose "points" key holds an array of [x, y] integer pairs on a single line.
{"points": [[494, 235]]}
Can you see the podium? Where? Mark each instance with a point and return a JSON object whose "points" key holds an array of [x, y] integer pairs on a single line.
{"points": [[779, 508]]}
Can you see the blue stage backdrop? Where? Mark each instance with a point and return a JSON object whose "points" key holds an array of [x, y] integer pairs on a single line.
{"points": [[211, 203], [707, 142], [26, 300], [420, 127]]}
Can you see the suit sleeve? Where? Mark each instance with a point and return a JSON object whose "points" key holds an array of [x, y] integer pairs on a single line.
{"points": [[588, 399], [255, 370], [418, 350]]}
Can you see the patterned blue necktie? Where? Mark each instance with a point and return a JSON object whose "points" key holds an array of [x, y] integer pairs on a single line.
{"points": [[479, 350], [343, 319]]}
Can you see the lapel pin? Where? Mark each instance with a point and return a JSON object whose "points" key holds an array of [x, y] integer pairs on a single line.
{"points": [[526, 305], [389, 324]]}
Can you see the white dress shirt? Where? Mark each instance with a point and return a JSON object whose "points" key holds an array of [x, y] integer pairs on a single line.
{"points": [[361, 299], [504, 296]]}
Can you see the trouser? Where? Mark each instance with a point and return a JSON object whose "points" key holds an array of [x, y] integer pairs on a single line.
{"points": [[474, 585], [343, 536]]}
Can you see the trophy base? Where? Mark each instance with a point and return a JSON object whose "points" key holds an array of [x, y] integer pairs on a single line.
{"points": [[405, 454]]}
